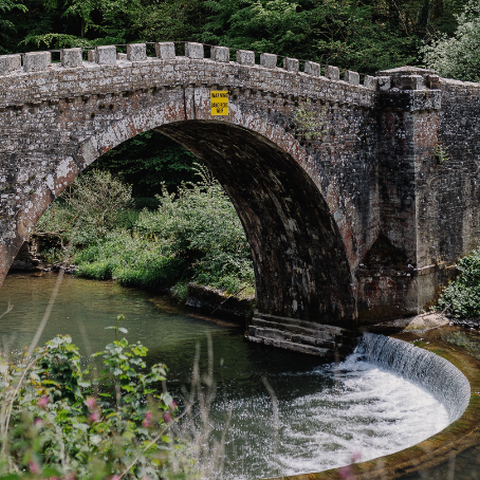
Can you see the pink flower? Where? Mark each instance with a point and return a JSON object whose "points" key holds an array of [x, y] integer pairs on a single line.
{"points": [[356, 457], [115, 477], [95, 417], [173, 405], [34, 467], [38, 422], [147, 421], [167, 417], [43, 401], [90, 401], [346, 473]]}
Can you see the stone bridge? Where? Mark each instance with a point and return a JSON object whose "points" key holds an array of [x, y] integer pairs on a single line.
{"points": [[356, 197]]}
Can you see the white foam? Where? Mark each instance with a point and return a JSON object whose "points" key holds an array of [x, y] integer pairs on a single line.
{"points": [[367, 413]]}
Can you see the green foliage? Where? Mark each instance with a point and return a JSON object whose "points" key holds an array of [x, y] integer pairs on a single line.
{"points": [[360, 35], [195, 234], [309, 122], [200, 223], [59, 419], [457, 57], [148, 161], [462, 296], [90, 207], [440, 152]]}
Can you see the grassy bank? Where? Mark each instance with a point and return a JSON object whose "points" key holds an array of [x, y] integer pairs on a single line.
{"points": [[194, 235]]}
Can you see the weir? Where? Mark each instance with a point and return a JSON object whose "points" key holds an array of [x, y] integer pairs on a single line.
{"points": [[433, 373], [456, 385]]}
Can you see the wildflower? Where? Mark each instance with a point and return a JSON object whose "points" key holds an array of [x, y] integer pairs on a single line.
{"points": [[34, 467], [95, 417], [167, 417], [346, 473], [147, 421], [43, 401], [173, 405], [90, 402]]}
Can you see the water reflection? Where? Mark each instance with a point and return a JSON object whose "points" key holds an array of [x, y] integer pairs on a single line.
{"points": [[315, 406]]}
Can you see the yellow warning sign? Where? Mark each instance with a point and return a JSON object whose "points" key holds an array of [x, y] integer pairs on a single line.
{"points": [[219, 102]]}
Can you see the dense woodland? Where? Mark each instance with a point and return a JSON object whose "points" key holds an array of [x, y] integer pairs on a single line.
{"points": [[364, 36]]}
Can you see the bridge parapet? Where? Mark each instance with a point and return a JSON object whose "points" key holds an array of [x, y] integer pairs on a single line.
{"points": [[32, 62], [31, 78]]}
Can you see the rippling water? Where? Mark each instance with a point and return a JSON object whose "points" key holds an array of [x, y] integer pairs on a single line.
{"points": [[313, 417]]}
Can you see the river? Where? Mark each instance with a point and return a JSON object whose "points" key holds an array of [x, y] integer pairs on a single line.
{"points": [[289, 413]]}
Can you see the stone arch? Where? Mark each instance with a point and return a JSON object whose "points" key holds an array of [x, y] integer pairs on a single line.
{"points": [[301, 265]]}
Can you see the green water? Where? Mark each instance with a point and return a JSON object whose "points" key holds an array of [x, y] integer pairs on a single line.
{"points": [[322, 416]]}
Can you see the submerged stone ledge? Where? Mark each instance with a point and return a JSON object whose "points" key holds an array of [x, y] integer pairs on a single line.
{"points": [[461, 397]]}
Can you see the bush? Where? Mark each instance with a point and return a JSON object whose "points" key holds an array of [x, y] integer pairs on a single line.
{"points": [[89, 208], [194, 235], [59, 419], [457, 57], [462, 296]]}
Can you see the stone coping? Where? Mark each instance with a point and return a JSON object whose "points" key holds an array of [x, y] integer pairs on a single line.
{"points": [[419, 459]]}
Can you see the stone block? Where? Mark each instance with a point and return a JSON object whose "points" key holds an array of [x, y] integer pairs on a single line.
{"points": [[36, 61], [71, 57], [91, 56], [106, 55], [165, 50], [245, 57], [352, 77], [433, 82], [268, 60], [10, 63], [412, 82], [220, 54], [194, 50], [333, 73], [121, 56], [291, 64], [136, 52], [370, 82], [313, 68], [384, 83]]}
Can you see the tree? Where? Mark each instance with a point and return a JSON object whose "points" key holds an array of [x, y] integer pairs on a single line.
{"points": [[7, 25], [147, 162], [457, 57]]}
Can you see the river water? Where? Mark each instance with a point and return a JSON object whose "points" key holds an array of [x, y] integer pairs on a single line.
{"points": [[288, 412]]}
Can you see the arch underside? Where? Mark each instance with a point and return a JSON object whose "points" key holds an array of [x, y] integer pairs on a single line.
{"points": [[301, 266]]}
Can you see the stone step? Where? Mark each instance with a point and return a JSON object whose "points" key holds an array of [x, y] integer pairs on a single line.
{"points": [[285, 321], [297, 347], [298, 331], [276, 334]]}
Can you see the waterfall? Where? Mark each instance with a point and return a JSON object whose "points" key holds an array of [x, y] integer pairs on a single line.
{"points": [[433, 373]]}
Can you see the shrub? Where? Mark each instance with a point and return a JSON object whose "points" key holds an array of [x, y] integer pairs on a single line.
{"points": [[457, 57], [89, 208], [194, 234], [462, 296], [59, 419]]}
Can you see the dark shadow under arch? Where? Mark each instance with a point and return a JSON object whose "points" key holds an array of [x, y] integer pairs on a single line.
{"points": [[301, 265]]}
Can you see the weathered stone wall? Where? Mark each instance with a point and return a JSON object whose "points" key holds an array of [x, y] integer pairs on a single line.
{"points": [[357, 217], [302, 206]]}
